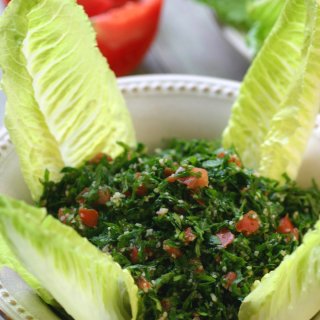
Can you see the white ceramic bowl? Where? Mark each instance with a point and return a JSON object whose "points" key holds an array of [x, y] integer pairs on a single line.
{"points": [[162, 106]]}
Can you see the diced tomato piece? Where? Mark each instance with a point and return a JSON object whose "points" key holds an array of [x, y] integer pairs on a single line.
{"points": [[230, 277], [201, 202], [141, 190], [189, 236], [197, 265], [249, 224], [143, 284], [236, 160], [89, 217], [134, 255], [103, 196], [172, 178], [168, 172], [98, 157], [127, 193], [286, 226], [192, 182], [225, 236], [62, 215], [172, 251], [148, 252], [221, 155]]}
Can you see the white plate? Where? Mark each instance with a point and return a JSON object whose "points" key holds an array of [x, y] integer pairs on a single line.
{"points": [[162, 106]]}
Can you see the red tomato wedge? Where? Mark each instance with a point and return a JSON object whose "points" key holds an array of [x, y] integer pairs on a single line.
{"points": [[286, 226], [249, 224], [124, 34], [89, 217], [225, 236], [125, 29], [95, 7]]}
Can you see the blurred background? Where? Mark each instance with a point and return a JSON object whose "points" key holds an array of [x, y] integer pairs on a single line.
{"points": [[189, 40]]}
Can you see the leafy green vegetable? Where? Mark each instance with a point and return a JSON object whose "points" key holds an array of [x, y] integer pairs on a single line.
{"points": [[9, 260], [86, 282], [253, 17], [291, 127], [63, 103], [263, 14], [24, 296], [292, 290], [278, 100], [233, 12]]}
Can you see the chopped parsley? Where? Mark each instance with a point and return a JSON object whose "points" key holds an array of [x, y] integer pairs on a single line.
{"points": [[194, 227]]}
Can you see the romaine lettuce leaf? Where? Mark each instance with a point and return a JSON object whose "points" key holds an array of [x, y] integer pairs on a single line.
{"points": [[263, 14], [275, 111], [7, 259], [63, 104], [290, 128], [233, 12], [25, 298], [85, 281], [292, 290]]}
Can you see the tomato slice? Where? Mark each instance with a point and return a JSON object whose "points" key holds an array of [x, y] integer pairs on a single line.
{"points": [[249, 224], [95, 7], [125, 29], [89, 217], [286, 226], [225, 236], [124, 34]]}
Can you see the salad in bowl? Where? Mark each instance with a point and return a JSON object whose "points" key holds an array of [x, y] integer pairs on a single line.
{"points": [[195, 229]]}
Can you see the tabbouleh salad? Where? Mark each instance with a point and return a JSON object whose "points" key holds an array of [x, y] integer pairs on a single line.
{"points": [[194, 227]]}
